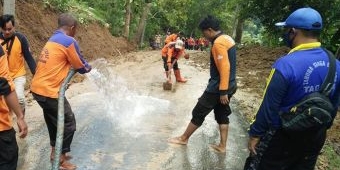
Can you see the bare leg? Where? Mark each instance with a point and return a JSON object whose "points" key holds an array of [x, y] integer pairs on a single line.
{"points": [[183, 139], [223, 139]]}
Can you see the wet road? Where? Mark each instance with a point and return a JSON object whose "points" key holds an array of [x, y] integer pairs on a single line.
{"points": [[124, 119]]}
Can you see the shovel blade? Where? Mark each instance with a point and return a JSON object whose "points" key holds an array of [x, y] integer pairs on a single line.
{"points": [[167, 86]]}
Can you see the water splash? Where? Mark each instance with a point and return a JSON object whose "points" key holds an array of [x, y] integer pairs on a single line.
{"points": [[124, 106]]}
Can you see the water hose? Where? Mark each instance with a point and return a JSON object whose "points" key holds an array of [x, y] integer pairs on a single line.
{"points": [[60, 123]]}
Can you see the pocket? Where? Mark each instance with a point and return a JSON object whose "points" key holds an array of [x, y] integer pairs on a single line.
{"points": [[9, 147]]}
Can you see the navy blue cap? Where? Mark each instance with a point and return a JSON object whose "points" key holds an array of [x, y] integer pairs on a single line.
{"points": [[303, 18]]}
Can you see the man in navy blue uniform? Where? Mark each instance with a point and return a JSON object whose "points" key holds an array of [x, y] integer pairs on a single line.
{"points": [[293, 76]]}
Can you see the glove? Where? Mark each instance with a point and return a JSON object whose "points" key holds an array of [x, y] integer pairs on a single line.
{"points": [[186, 56]]}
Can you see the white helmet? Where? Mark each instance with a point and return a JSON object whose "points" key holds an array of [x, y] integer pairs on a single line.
{"points": [[179, 44]]}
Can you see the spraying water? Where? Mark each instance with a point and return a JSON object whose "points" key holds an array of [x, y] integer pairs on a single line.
{"points": [[125, 107]]}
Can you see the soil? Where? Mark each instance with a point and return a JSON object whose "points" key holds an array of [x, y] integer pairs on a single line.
{"points": [[254, 62]]}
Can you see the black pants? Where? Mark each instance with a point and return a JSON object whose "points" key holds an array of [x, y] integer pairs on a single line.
{"points": [[8, 150], [50, 109], [208, 102], [165, 62], [293, 150]]}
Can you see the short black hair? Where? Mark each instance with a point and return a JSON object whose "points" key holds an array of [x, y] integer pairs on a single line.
{"points": [[6, 18], [67, 19], [209, 22]]}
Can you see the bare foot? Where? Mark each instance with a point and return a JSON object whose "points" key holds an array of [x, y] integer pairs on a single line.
{"points": [[218, 148], [178, 140]]}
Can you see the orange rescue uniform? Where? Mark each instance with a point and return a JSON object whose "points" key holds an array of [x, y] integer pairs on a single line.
{"points": [[60, 53], [5, 118]]}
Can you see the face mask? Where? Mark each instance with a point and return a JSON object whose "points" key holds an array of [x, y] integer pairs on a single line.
{"points": [[287, 40]]}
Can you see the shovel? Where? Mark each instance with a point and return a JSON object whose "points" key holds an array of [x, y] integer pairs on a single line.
{"points": [[168, 84]]}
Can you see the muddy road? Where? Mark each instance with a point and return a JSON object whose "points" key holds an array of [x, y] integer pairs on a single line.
{"points": [[124, 118]]}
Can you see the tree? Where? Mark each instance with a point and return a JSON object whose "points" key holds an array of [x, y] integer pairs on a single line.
{"points": [[269, 12], [139, 36], [9, 7], [127, 18]]}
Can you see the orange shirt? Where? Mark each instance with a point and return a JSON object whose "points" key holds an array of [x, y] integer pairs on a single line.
{"points": [[169, 51], [5, 118], [220, 53], [171, 38], [173, 53], [166, 47], [60, 53], [17, 51]]}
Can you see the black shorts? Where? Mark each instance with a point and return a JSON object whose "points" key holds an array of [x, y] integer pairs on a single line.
{"points": [[8, 150], [165, 63], [208, 102]]}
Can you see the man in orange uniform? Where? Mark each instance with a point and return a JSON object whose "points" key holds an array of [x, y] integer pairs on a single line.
{"points": [[60, 54], [221, 86], [9, 100], [172, 37], [16, 47], [171, 52]]}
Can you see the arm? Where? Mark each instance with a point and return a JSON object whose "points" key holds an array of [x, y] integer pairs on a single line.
{"points": [[7, 90], [267, 116], [76, 59], [170, 54], [27, 53], [13, 103], [221, 58]]}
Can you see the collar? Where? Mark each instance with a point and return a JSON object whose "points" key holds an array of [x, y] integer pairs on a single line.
{"points": [[216, 36], [305, 46]]}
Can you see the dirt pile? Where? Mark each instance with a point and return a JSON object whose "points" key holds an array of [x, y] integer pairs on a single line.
{"points": [[38, 22]]}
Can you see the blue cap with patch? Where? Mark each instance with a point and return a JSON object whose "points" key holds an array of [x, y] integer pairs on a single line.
{"points": [[303, 18]]}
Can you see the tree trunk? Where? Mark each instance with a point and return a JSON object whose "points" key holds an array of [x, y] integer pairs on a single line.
{"points": [[127, 19], [141, 26], [239, 30], [9, 7]]}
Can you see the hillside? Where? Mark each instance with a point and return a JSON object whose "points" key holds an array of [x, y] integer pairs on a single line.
{"points": [[38, 22]]}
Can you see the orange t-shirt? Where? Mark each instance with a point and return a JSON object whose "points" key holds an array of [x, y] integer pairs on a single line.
{"points": [[5, 118], [60, 53], [17, 51]]}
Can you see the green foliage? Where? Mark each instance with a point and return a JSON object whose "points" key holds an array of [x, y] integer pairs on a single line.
{"points": [[269, 12], [333, 159], [81, 10]]}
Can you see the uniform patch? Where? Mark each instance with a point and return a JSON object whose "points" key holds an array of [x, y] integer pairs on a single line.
{"points": [[219, 57]]}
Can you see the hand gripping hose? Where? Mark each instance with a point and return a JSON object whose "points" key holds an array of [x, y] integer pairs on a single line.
{"points": [[60, 124]]}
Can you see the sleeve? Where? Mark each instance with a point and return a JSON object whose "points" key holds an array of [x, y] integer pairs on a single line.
{"points": [[221, 58], [77, 60], [170, 54], [27, 53], [6, 83], [267, 116]]}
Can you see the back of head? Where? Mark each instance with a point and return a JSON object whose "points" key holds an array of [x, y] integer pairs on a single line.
{"points": [[303, 18], [5, 19], [66, 19], [209, 22]]}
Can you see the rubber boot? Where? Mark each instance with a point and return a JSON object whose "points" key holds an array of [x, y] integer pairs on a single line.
{"points": [[178, 77]]}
